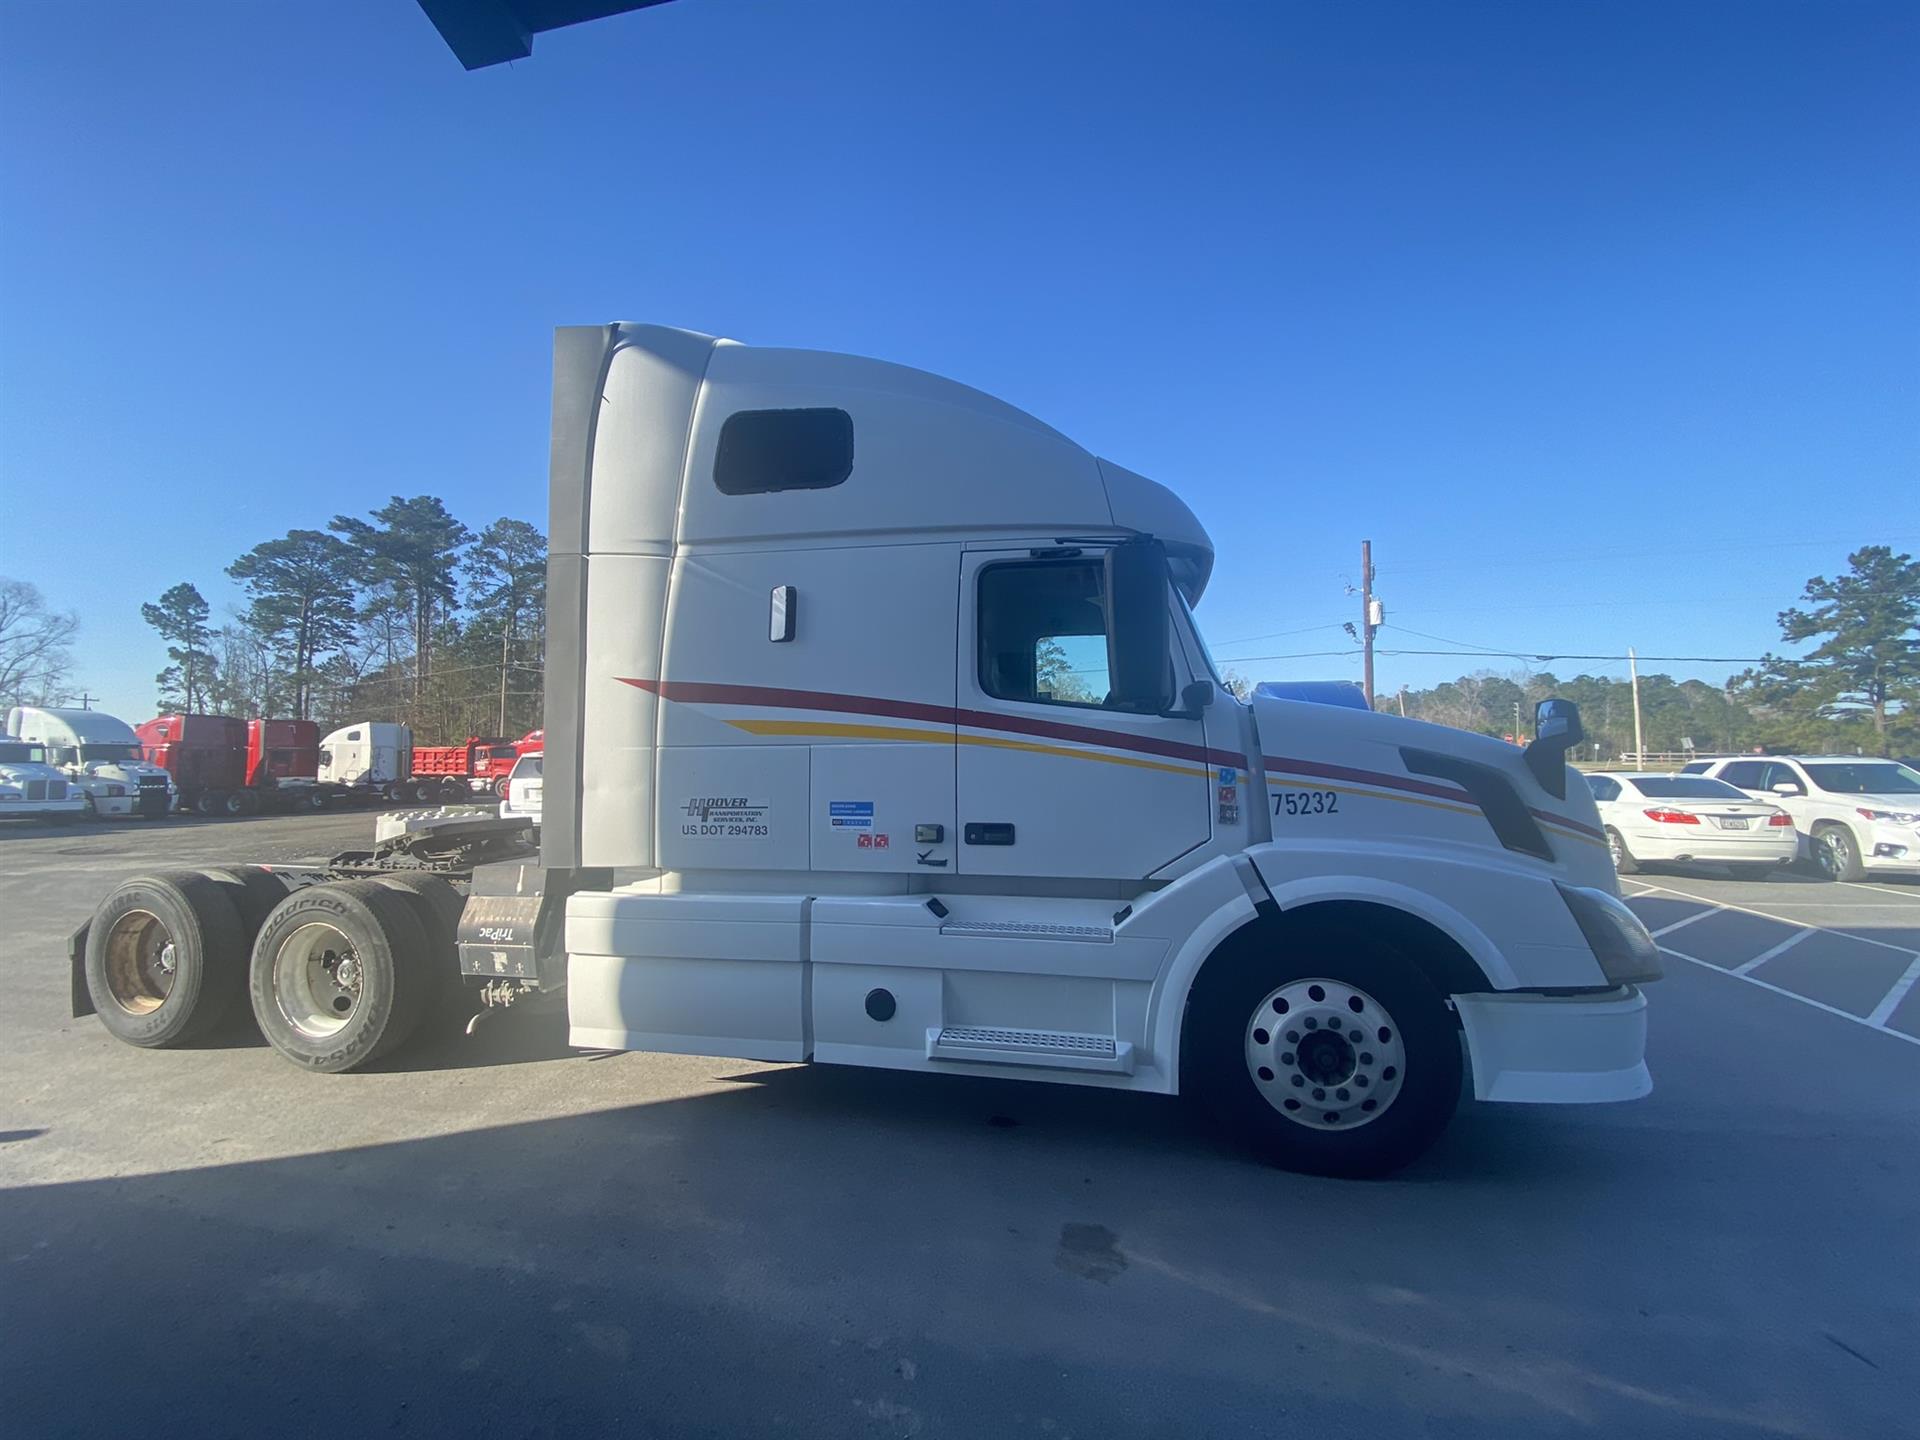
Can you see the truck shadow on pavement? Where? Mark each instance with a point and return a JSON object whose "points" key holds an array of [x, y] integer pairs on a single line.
{"points": [[826, 1252]]}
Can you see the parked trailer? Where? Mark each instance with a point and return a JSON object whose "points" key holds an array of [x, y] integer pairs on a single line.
{"points": [[882, 735]]}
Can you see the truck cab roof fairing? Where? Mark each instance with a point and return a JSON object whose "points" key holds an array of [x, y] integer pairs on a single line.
{"points": [[930, 455]]}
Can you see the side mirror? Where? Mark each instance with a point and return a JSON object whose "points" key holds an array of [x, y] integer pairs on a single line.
{"points": [[1787, 787], [1194, 698], [1139, 675], [1556, 730]]}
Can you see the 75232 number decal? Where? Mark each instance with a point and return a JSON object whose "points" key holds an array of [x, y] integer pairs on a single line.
{"points": [[1306, 802]]}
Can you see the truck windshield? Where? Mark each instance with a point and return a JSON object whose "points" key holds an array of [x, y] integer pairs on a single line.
{"points": [[1883, 777], [108, 754], [17, 754]]}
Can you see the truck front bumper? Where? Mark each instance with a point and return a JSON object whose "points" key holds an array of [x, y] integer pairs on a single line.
{"points": [[1557, 1049]]}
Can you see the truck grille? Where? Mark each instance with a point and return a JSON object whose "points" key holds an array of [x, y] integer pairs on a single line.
{"points": [[153, 782], [36, 789], [56, 789]]}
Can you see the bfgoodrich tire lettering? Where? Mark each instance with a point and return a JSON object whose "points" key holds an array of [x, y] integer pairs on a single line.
{"points": [[354, 941], [1219, 1066], [166, 959]]}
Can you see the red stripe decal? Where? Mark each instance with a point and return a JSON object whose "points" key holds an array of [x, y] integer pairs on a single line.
{"points": [[696, 692], [701, 693]]}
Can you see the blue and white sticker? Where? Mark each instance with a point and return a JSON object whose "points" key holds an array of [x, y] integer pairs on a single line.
{"points": [[850, 814], [1229, 777]]}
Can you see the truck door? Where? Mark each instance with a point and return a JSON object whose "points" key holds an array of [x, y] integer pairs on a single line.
{"points": [[1052, 781]]}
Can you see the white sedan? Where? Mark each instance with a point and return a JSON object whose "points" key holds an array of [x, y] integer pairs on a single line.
{"points": [[1691, 817]]}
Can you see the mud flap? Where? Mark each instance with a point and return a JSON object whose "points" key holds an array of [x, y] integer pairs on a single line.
{"points": [[77, 958]]}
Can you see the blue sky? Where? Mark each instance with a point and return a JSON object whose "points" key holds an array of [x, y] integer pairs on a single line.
{"points": [[1603, 322]]}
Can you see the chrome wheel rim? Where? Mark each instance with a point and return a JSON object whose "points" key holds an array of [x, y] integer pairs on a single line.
{"points": [[1830, 854], [318, 980], [1325, 1054], [142, 962], [1615, 848]]}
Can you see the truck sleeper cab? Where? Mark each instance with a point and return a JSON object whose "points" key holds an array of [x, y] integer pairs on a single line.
{"points": [[879, 732]]}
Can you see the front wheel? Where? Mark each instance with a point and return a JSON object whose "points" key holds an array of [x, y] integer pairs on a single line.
{"points": [[1333, 1055], [1837, 853]]}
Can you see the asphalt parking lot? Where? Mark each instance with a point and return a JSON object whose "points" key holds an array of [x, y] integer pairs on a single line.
{"points": [[501, 1236]]}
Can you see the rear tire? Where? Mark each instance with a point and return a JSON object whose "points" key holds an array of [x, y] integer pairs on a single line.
{"points": [[1623, 861], [437, 906], [340, 975], [249, 802], [232, 805], [1836, 854], [207, 804], [1362, 1090], [166, 957], [254, 894]]}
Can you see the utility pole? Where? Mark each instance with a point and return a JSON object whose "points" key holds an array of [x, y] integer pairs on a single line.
{"points": [[86, 700], [1367, 625], [1639, 743], [1403, 702]]}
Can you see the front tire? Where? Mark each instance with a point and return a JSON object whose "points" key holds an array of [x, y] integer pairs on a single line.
{"points": [[1329, 1052], [166, 957], [1623, 861], [340, 975], [1837, 854]]}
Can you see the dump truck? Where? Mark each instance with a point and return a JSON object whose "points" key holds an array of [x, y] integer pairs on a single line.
{"points": [[880, 732]]}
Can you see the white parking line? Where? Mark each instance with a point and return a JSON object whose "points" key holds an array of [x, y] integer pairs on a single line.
{"points": [[1749, 910], [1681, 924], [1792, 995], [1765, 955], [1890, 1002], [1913, 896]]}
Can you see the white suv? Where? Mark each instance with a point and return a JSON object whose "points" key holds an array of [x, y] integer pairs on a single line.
{"points": [[1854, 813], [523, 789]]}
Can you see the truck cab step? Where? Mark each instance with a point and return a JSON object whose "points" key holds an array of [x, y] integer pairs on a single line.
{"points": [[1027, 930], [1046, 1049]]}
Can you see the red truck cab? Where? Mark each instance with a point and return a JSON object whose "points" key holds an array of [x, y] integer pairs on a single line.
{"points": [[205, 754], [282, 750]]}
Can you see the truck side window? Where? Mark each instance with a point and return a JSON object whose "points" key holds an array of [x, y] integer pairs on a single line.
{"points": [[1743, 774], [1043, 632], [762, 451]]}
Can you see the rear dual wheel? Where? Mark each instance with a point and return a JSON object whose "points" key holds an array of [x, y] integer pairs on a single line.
{"points": [[165, 958], [341, 974]]}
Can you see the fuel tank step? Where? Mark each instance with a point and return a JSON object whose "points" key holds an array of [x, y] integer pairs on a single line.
{"points": [[1046, 1049]]}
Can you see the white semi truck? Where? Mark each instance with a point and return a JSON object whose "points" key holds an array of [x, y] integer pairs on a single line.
{"points": [[100, 756], [880, 733]]}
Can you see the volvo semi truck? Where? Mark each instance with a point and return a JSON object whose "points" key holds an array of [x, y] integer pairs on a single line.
{"points": [[880, 732]]}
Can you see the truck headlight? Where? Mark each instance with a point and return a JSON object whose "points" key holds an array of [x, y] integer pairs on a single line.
{"points": [[1898, 817], [1619, 941]]}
